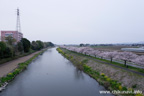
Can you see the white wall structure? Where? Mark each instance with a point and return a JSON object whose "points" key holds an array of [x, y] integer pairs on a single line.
{"points": [[133, 49]]}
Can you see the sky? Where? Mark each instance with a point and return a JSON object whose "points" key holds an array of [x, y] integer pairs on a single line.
{"points": [[76, 21]]}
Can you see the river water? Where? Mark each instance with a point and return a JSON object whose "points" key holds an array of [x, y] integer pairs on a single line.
{"points": [[51, 74]]}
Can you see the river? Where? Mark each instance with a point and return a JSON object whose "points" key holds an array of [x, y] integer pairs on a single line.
{"points": [[50, 74]]}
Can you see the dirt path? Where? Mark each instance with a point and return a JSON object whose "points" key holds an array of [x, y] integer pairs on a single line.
{"points": [[11, 65]]}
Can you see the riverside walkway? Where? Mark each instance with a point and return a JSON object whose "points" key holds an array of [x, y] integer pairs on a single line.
{"points": [[7, 67]]}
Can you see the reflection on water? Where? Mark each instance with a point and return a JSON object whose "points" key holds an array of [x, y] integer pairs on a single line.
{"points": [[53, 75], [78, 74]]}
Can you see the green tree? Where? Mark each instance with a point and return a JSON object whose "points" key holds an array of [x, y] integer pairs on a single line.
{"points": [[2, 49], [34, 45], [26, 44], [20, 47], [48, 44], [81, 45], [9, 52], [40, 44], [10, 40]]}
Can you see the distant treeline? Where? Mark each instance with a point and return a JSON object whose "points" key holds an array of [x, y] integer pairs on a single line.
{"points": [[84, 45], [11, 49]]}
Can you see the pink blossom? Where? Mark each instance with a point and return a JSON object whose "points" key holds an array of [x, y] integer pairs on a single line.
{"points": [[126, 56], [139, 60]]}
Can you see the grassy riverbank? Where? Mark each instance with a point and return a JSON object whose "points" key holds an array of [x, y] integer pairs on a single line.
{"points": [[21, 66], [110, 77]]}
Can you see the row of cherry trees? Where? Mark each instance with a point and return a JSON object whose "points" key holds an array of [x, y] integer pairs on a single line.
{"points": [[125, 56]]}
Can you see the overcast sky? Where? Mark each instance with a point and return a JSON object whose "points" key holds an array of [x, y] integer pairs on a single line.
{"points": [[76, 21]]}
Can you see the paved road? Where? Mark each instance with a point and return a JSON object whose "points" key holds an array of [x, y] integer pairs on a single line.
{"points": [[7, 67]]}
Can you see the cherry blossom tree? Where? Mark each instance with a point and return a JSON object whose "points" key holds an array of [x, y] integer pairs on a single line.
{"points": [[82, 49], [96, 52], [111, 55], [126, 56], [101, 54], [139, 60], [88, 51]]}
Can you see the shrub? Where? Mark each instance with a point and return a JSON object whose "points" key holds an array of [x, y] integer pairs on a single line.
{"points": [[130, 89], [124, 88], [114, 84], [120, 87], [102, 74], [71, 57], [10, 75], [139, 94], [134, 86], [17, 71], [5, 79], [86, 68], [97, 73], [105, 77], [108, 79]]}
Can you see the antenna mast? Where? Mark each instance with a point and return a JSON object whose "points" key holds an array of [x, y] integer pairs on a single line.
{"points": [[18, 26]]}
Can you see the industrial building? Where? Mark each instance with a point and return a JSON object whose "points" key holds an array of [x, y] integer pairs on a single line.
{"points": [[15, 34]]}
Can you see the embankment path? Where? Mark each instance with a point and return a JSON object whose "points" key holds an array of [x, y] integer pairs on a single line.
{"points": [[7, 67]]}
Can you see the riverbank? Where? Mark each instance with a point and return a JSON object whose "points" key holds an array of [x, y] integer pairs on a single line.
{"points": [[13, 68], [109, 76], [7, 67]]}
